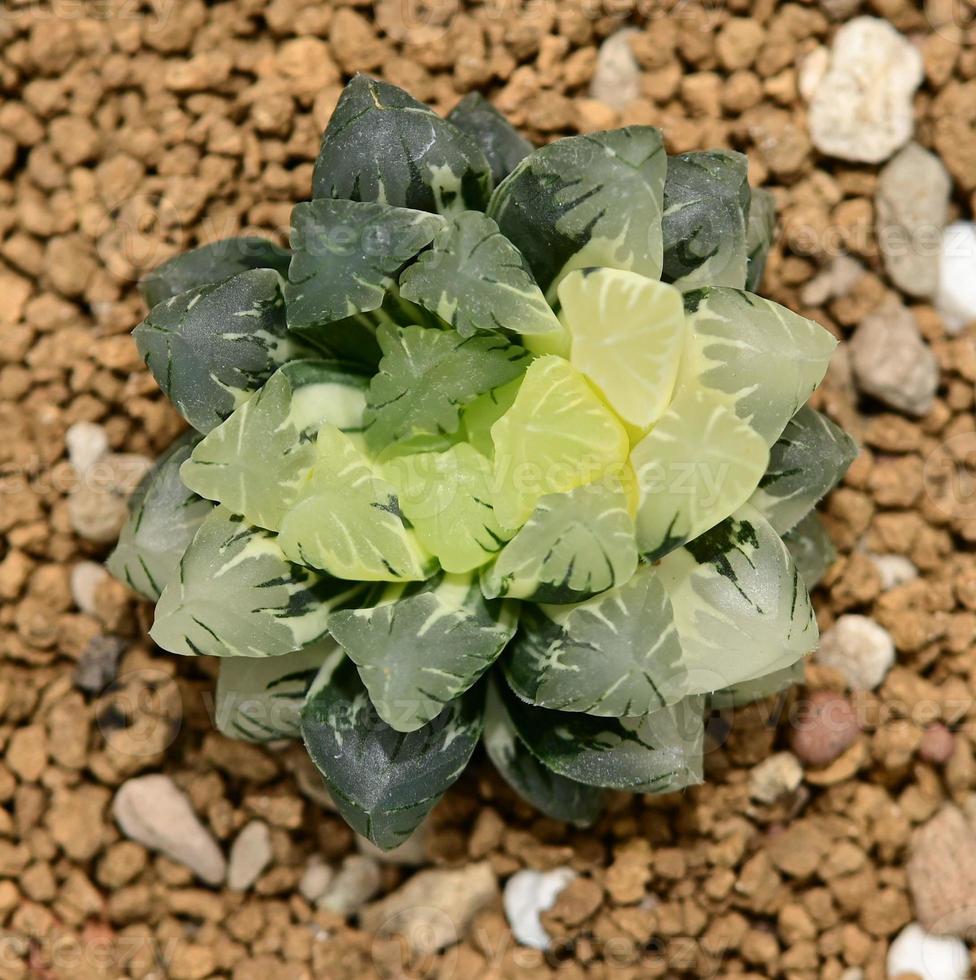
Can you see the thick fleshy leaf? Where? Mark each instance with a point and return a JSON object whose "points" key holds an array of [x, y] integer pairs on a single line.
{"points": [[628, 333], [615, 655], [255, 462], [385, 782], [759, 235], [574, 545], [699, 463], [552, 794], [424, 645], [811, 548], [706, 204], [764, 360], [346, 257], [260, 700], [757, 689], [657, 753], [212, 263], [475, 279], [740, 606], [426, 377], [500, 142], [383, 145], [163, 517], [347, 519], [236, 595], [447, 498], [808, 460], [585, 201], [211, 347], [558, 435], [478, 416]]}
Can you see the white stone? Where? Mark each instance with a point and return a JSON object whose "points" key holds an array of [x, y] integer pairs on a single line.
{"points": [[812, 69], [250, 854], [860, 649], [892, 362], [316, 879], [916, 952], [87, 443], [956, 295], [616, 78], [152, 811], [355, 883], [774, 777], [854, 973], [86, 577], [862, 107], [894, 570], [526, 894], [911, 207]]}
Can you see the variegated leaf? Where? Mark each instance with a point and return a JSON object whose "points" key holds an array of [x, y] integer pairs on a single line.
{"points": [[383, 145], [808, 460], [347, 255], [761, 358], [760, 687], [500, 142], [384, 782], [255, 461], [426, 377], [759, 235], [421, 646], [211, 347], [236, 595], [554, 795], [740, 606], [706, 203], [584, 201], [210, 264], [347, 519], [574, 545], [812, 550], [615, 655], [260, 700], [475, 279], [658, 753], [163, 517], [698, 465]]}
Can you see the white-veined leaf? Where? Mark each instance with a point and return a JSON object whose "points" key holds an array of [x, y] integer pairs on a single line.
{"points": [[760, 687], [812, 550]]}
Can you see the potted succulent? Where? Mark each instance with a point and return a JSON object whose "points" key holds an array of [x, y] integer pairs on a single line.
{"points": [[503, 448]]}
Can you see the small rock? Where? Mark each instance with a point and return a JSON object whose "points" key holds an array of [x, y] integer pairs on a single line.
{"points": [[527, 893], [774, 777], [98, 506], [812, 69], [356, 882], [941, 872], [862, 108], [860, 649], [87, 443], [86, 576], [412, 853], [99, 663], [26, 753], [315, 880], [911, 205], [892, 362], [956, 295], [154, 812], [833, 281], [894, 570], [824, 727], [937, 744], [250, 854], [616, 79], [915, 953], [434, 908]]}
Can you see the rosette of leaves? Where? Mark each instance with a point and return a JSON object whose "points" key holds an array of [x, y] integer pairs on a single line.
{"points": [[503, 447]]}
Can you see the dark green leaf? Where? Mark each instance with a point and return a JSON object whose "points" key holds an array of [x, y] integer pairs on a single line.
{"points": [[759, 235], [212, 346], [503, 147], [385, 782], [212, 263], [383, 145]]}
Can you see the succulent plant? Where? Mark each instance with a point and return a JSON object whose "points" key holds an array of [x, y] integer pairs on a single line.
{"points": [[500, 448]]}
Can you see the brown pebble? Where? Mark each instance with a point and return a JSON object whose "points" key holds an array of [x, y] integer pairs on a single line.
{"points": [[824, 725]]}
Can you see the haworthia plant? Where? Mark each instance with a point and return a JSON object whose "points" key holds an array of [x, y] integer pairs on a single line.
{"points": [[504, 448]]}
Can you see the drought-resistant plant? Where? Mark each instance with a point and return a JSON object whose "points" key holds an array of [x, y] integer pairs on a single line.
{"points": [[501, 447]]}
